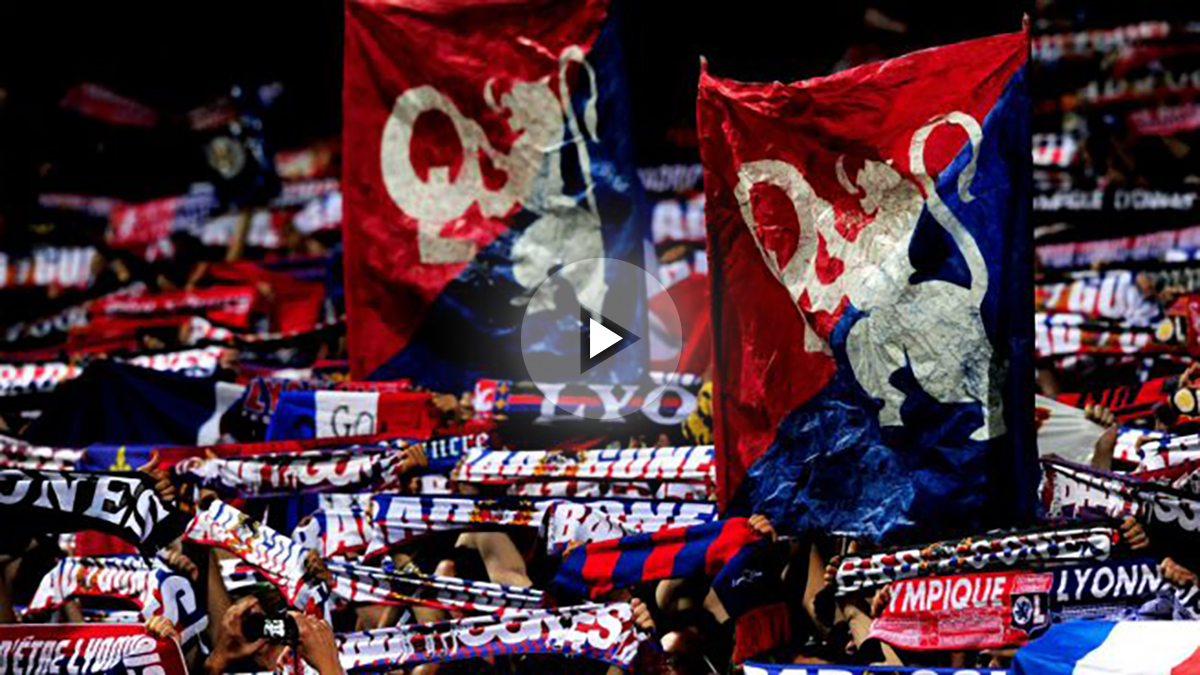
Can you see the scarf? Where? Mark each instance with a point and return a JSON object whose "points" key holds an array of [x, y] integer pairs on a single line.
{"points": [[17, 454], [1128, 402], [87, 649], [1167, 452], [123, 504], [981, 611], [1070, 491], [601, 520], [1058, 335], [602, 632], [354, 582], [35, 378], [788, 669], [700, 550], [155, 588], [280, 559], [350, 469], [592, 489], [340, 526], [857, 573], [398, 519], [692, 464]]}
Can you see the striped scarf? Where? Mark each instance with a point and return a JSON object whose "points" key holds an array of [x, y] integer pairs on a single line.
{"points": [[690, 464], [354, 582], [974, 554], [352, 469], [1072, 490], [280, 559], [153, 587], [603, 632], [398, 519]]}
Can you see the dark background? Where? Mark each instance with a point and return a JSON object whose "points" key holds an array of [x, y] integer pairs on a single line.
{"points": [[175, 56]]}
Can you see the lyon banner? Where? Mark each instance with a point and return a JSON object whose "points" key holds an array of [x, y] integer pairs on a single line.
{"points": [[487, 145], [870, 270]]}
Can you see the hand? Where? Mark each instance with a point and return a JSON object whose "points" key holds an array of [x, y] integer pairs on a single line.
{"points": [[231, 643], [314, 567], [641, 615], [318, 648], [1100, 415], [762, 526], [1177, 574], [162, 628], [882, 598], [161, 477], [1134, 534], [831, 569], [182, 564]]}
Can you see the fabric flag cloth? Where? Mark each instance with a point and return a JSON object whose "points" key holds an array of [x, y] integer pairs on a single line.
{"points": [[872, 293], [156, 589], [262, 396], [1113, 648], [280, 559], [87, 649], [700, 550], [1064, 430], [603, 632], [123, 404], [469, 181], [354, 582], [123, 504], [975, 554], [328, 414], [481, 465]]}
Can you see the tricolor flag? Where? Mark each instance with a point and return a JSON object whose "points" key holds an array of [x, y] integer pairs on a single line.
{"points": [[597, 568], [487, 144], [330, 414], [1113, 648], [872, 292]]}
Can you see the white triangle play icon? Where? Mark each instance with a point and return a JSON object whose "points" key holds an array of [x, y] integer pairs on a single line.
{"points": [[599, 338]]}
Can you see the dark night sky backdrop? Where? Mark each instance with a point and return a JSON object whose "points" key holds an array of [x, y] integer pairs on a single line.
{"points": [[175, 56]]}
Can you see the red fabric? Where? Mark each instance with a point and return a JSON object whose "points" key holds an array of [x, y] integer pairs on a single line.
{"points": [[766, 366], [93, 543], [227, 305], [736, 534], [295, 306], [690, 296], [465, 50], [410, 414], [761, 629], [1127, 403]]}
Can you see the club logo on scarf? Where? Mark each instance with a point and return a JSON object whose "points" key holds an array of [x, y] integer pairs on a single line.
{"points": [[468, 186], [877, 217]]}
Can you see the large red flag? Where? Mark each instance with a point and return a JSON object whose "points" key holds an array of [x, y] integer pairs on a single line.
{"points": [[871, 287], [479, 156]]}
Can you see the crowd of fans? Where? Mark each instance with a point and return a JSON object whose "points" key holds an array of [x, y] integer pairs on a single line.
{"points": [[250, 297]]}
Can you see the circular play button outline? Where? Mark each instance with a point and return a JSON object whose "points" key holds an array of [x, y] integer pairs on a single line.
{"points": [[558, 345]]}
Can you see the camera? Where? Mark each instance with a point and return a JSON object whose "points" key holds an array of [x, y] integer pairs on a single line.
{"points": [[279, 628]]}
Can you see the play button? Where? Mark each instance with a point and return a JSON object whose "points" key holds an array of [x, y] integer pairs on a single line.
{"points": [[595, 333], [601, 340]]}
